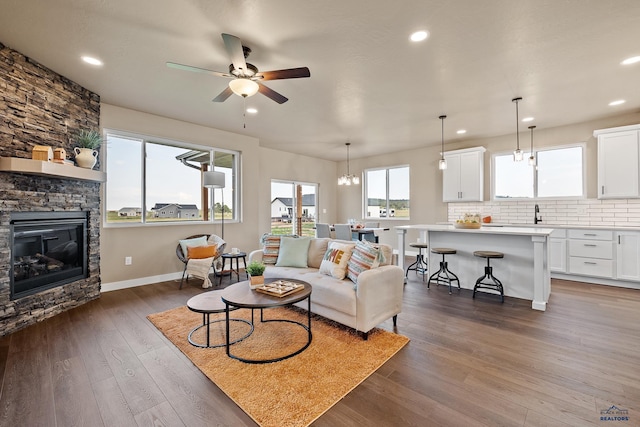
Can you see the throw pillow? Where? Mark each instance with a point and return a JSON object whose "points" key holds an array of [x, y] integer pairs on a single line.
{"points": [[271, 247], [198, 241], [293, 252], [334, 262], [365, 256], [200, 252]]}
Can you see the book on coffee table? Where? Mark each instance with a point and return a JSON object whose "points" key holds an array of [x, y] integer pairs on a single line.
{"points": [[280, 288]]}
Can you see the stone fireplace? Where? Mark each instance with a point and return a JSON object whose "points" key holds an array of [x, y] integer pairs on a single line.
{"points": [[40, 107]]}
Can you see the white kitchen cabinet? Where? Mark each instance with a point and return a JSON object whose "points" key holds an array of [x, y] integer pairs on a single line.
{"points": [[618, 162], [628, 255], [558, 251], [463, 180], [591, 252]]}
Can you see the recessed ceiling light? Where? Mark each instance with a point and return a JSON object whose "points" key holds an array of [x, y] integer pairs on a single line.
{"points": [[251, 110], [461, 131], [91, 60], [527, 119], [618, 102], [419, 36], [631, 60]]}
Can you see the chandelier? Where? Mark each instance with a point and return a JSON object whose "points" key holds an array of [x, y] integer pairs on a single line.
{"points": [[348, 179]]}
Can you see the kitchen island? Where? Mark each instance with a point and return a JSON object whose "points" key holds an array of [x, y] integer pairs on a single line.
{"points": [[524, 271]]}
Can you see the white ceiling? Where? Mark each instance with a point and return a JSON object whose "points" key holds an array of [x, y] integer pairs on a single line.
{"points": [[368, 83]]}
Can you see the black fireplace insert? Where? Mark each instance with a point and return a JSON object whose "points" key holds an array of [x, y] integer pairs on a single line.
{"points": [[48, 249]]}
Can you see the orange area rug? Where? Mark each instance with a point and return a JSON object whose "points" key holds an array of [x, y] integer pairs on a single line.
{"points": [[292, 392]]}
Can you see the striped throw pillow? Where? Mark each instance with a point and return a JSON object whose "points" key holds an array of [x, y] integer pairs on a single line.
{"points": [[365, 256], [271, 247]]}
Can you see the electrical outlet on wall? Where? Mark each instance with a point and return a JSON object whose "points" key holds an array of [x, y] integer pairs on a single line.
{"points": [[128, 260]]}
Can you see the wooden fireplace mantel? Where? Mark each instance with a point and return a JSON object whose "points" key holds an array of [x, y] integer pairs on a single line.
{"points": [[43, 168]]}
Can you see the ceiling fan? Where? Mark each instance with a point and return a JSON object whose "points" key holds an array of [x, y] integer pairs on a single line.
{"points": [[246, 77]]}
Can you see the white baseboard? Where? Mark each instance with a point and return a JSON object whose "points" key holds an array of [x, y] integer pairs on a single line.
{"points": [[114, 286]]}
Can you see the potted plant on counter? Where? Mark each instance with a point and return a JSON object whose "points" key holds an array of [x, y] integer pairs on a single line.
{"points": [[255, 269], [86, 153]]}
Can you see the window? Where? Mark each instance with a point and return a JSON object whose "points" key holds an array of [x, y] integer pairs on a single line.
{"points": [[559, 173], [150, 180], [387, 192], [284, 207]]}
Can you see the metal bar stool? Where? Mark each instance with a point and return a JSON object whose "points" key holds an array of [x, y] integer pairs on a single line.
{"points": [[495, 284], [420, 266], [444, 275]]}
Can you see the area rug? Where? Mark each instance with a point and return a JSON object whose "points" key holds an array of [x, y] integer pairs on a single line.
{"points": [[292, 392]]}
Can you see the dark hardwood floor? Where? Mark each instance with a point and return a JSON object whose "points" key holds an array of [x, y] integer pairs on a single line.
{"points": [[469, 363]]}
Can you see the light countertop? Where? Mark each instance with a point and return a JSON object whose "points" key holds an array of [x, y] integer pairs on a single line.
{"points": [[510, 230]]}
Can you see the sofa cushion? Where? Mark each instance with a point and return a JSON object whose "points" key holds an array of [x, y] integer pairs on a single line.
{"points": [[334, 262], [271, 247], [317, 248], [365, 256], [293, 252]]}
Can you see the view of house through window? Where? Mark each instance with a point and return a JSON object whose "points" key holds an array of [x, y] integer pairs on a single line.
{"points": [[293, 206], [387, 192], [559, 173], [152, 181]]}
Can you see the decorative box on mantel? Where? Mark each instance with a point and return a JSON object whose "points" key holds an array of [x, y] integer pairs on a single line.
{"points": [[39, 167]]}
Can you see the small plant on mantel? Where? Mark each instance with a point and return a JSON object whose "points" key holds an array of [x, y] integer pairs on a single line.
{"points": [[256, 271], [89, 139]]}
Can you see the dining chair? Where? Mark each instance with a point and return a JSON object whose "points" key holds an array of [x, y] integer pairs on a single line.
{"points": [[343, 231], [373, 236], [323, 230]]}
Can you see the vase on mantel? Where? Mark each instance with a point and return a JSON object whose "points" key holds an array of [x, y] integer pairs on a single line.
{"points": [[86, 157]]}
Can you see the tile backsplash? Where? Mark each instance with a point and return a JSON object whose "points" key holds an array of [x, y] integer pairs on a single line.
{"points": [[583, 212]]}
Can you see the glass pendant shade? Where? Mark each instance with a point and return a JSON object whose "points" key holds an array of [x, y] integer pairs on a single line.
{"points": [[442, 164], [244, 87], [532, 160], [518, 155]]}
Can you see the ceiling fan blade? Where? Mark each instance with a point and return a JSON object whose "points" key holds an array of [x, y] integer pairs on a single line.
{"points": [[223, 95], [270, 93], [290, 73], [234, 49], [198, 70]]}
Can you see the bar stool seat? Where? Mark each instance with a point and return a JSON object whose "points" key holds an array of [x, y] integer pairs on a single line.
{"points": [[420, 266], [483, 281], [444, 275]]}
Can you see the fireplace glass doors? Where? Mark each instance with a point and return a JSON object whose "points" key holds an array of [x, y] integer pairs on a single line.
{"points": [[48, 249]]}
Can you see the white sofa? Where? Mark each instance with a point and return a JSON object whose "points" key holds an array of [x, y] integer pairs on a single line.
{"points": [[376, 297]]}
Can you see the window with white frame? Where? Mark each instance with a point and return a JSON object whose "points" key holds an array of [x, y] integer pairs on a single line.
{"points": [[150, 180], [386, 192], [559, 172]]}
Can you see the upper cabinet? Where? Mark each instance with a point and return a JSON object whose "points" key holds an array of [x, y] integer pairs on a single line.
{"points": [[618, 162], [463, 180]]}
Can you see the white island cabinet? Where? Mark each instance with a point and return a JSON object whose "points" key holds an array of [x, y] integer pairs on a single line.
{"points": [[524, 271]]}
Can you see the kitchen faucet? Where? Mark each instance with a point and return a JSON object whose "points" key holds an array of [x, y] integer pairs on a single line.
{"points": [[535, 215]]}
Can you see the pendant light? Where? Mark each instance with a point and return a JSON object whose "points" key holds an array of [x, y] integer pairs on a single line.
{"points": [[348, 179], [517, 155], [532, 157], [442, 164]]}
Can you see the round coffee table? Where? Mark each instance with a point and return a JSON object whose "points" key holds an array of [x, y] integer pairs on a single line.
{"points": [[207, 303], [241, 295]]}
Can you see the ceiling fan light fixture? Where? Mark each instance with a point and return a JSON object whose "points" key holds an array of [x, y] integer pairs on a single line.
{"points": [[244, 87]]}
